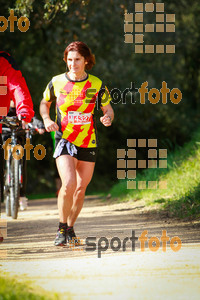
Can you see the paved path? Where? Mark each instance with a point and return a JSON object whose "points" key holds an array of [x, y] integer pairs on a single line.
{"points": [[29, 253]]}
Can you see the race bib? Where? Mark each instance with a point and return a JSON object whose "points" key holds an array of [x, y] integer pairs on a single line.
{"points": [[79, 118]]}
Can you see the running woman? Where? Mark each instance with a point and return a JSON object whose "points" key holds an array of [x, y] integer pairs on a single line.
{"points": [[76, 94]]}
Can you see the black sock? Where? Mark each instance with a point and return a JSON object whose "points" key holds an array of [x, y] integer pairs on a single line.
{"points": [[63, 225], [69, 227]]}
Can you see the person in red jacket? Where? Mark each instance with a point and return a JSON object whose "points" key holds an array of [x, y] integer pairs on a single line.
{"points": [[12, 86]]}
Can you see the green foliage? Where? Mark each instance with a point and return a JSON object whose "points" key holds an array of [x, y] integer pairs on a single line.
{"points": [[54, 24], [11, 289], [182, 196], [24, 7], [51, 7]]}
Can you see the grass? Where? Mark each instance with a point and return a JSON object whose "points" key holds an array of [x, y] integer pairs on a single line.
{"points": [[182, 196], [41, 196], [10, 289]]}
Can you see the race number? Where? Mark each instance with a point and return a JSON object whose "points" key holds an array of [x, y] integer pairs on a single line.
{"points": [[79, 118]]}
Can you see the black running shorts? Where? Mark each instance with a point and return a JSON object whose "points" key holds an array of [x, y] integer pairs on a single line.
{"points": [[63, 147]]}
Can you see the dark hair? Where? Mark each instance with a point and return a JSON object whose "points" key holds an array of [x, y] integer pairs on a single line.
{"points": [[83, 50]]}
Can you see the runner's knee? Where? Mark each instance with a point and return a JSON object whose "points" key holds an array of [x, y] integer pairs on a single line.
{"points": [[68, 188], [80, 191]]}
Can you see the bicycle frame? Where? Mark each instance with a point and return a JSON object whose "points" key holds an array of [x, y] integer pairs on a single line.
{"points": [[12, 179], [14, 167], [13, 171]]}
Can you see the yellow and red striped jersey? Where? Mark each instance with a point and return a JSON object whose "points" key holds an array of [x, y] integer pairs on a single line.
{"points": [[75, 103]]}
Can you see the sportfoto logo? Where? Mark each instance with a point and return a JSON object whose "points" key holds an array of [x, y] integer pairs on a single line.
{"points": [[153, 95], [115, 244], [18, 150], [23, 23], [3, 88], [141, 9], [127, 163]]}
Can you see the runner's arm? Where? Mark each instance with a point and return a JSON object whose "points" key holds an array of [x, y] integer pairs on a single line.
{"points": [[108, 115], [44, 112]]}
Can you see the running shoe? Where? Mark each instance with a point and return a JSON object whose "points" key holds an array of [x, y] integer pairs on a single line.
{"points": [[60, 239], [72, 239]]}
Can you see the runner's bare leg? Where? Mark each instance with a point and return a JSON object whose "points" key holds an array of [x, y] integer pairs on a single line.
{"points": [[66, 165], [84, 172]]}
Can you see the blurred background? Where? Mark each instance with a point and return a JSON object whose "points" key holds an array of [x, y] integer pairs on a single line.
{"points": [[100, 24]]}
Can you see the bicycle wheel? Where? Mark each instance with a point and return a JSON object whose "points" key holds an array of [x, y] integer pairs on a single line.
{"points": [[21, 177], [6, 189], [7, 201], [14, 189]]}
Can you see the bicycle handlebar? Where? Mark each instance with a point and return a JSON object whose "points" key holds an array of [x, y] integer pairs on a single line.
{"points": [[11, 121], [14, 123]]}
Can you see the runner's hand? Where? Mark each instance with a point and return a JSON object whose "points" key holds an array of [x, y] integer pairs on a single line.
{"points": [[50, 125], [106, 120]]}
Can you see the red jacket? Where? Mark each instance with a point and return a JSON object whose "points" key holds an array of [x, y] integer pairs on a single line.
{"points": [[13, 86]]}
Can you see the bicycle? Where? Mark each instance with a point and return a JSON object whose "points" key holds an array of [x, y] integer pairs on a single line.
{"points": [[13, 175]]}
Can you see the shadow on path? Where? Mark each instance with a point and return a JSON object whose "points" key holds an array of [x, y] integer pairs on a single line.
{"points": [[31, 236]]}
